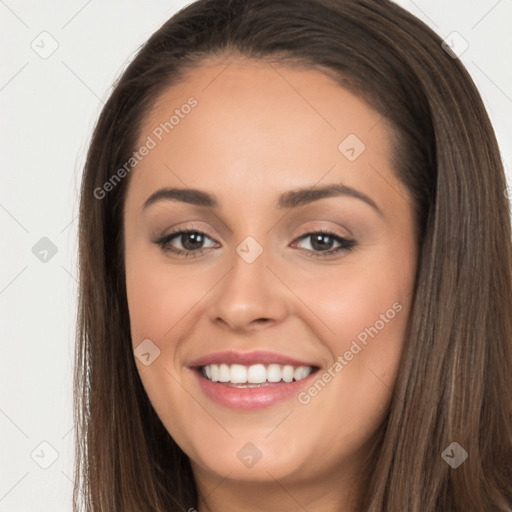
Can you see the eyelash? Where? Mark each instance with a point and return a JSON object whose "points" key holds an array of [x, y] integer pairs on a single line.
{"points": [[164, 242]]}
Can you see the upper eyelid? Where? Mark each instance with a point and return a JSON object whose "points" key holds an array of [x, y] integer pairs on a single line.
{"points": [[329, 231]]}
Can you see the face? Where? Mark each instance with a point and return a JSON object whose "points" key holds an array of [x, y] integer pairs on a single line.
{"points": [[294, 259]]}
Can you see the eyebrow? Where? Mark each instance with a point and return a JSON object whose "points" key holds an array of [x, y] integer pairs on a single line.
{"points": [[291, 199]]}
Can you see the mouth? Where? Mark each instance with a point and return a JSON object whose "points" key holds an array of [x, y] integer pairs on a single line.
{"points": [[254, 380], [254, 376]]}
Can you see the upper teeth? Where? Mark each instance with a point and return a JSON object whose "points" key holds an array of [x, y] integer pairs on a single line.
{"points": [[254, 374]]}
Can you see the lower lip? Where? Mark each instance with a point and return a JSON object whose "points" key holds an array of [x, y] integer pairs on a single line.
{"points": [[251, 398]]}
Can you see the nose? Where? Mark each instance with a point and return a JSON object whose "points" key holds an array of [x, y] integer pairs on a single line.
{"points": [[249, 296]]}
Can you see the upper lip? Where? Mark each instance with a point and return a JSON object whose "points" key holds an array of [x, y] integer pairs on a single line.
{"points": [[247, 358]]}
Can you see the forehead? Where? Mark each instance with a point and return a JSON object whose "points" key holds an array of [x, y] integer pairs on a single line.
{"points": [[266, 90], [264, 126]]}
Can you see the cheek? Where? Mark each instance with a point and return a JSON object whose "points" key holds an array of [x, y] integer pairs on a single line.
{"points": [[366, 309], [159, 297], [358, 297], [160, 303]]}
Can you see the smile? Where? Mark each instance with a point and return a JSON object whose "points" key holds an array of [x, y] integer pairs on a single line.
{"points": [[251, 380], [255, 375]]}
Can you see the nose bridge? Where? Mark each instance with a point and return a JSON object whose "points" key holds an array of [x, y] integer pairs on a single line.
{"points": [[249, 291]]}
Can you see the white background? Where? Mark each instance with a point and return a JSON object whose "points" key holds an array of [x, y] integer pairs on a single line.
{"points": [[48, 110]]}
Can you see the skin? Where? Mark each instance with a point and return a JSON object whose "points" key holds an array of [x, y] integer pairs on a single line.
{"points": [[259, 131]]}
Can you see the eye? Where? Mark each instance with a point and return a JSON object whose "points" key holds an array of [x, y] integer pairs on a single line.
{"points": [[321, 243], [190, 240]]}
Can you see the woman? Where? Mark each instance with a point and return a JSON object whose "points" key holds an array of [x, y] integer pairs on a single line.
{"points": [[295, 264]]}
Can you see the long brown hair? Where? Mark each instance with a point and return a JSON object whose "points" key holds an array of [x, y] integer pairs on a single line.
{"points": [[454, 382]]}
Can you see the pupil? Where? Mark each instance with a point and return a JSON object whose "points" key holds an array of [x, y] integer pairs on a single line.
{"points": [[196, 237], [319, 242]]}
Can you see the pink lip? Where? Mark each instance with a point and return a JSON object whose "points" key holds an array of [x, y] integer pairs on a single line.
{"points": [[251, 398], [246, 358]]}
